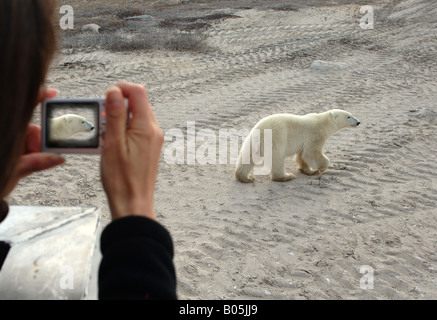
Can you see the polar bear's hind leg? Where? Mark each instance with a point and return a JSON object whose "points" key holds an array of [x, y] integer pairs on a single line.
{"points": [[242, 173]]}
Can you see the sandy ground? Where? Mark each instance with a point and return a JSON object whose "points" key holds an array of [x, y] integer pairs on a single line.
{"points": [[308, 238]]}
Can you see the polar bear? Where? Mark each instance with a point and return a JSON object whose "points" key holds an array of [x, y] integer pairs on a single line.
{"points": [[302, 136], [66, 126]]}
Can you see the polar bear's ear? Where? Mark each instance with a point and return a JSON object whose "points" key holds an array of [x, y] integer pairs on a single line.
{"points": [[333, 114], [67, 121]]}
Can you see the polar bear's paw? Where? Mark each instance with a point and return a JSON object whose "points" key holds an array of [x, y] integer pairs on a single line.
{"points": [[308, 171], [248, 179], [284, 178]]}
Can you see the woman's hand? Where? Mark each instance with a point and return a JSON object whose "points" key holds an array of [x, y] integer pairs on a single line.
{"points": [[131, 155], [32, 160]]}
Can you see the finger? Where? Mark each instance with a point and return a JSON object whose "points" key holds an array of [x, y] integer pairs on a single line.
{"points": [[46, 93], [33, 140], [139, 105], [35, 162], [116, 116]]}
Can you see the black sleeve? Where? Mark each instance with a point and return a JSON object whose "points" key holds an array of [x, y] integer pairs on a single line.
{"points": [[137, 261]]}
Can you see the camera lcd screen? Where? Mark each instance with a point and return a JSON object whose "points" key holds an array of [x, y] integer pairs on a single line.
{"points": [[72, 125]]}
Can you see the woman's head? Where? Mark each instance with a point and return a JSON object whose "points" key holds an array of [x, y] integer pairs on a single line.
{"points": [[27, 45]]}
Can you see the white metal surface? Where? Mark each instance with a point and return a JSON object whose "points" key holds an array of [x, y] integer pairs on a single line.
{"points": [[54, 253]]}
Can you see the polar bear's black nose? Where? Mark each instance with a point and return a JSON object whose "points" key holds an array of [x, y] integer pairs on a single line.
{"points": [[358, 123], [92, 128]]}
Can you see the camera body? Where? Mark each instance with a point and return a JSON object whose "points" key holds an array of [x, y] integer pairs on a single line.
{"points": [[73, 126]]}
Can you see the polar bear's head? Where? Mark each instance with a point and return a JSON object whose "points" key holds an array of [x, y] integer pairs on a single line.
{"points": [[344, 119], [77, 124]]}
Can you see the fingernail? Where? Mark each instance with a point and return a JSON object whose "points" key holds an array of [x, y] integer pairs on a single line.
{"points": [[112, 89], [52, 90], [114, 102], [113, 97], [56, 159]]}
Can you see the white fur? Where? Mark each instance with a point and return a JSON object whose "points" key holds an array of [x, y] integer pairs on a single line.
{"points": [[66, 126], [303, 136]]}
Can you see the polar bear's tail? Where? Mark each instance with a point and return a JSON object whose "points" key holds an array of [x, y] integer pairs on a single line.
{"points": [[245, 163]]}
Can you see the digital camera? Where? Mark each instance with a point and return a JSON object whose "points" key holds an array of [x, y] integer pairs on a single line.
{"points": [[73, 125]]}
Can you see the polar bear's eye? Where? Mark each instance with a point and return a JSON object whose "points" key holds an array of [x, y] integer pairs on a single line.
{"points": [[349, 117]]}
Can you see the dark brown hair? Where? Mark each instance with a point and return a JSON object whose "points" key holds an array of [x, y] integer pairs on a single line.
{"points": [[27, 45]]}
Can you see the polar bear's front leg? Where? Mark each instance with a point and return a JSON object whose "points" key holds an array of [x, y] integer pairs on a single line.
{"points": [[321, 162], [278, 170], [303, 166], [316, 160]]}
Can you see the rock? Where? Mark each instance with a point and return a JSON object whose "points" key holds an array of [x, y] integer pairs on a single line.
{"points": [[324, 65], [143, 17], [92, 27], [424, 113]]}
